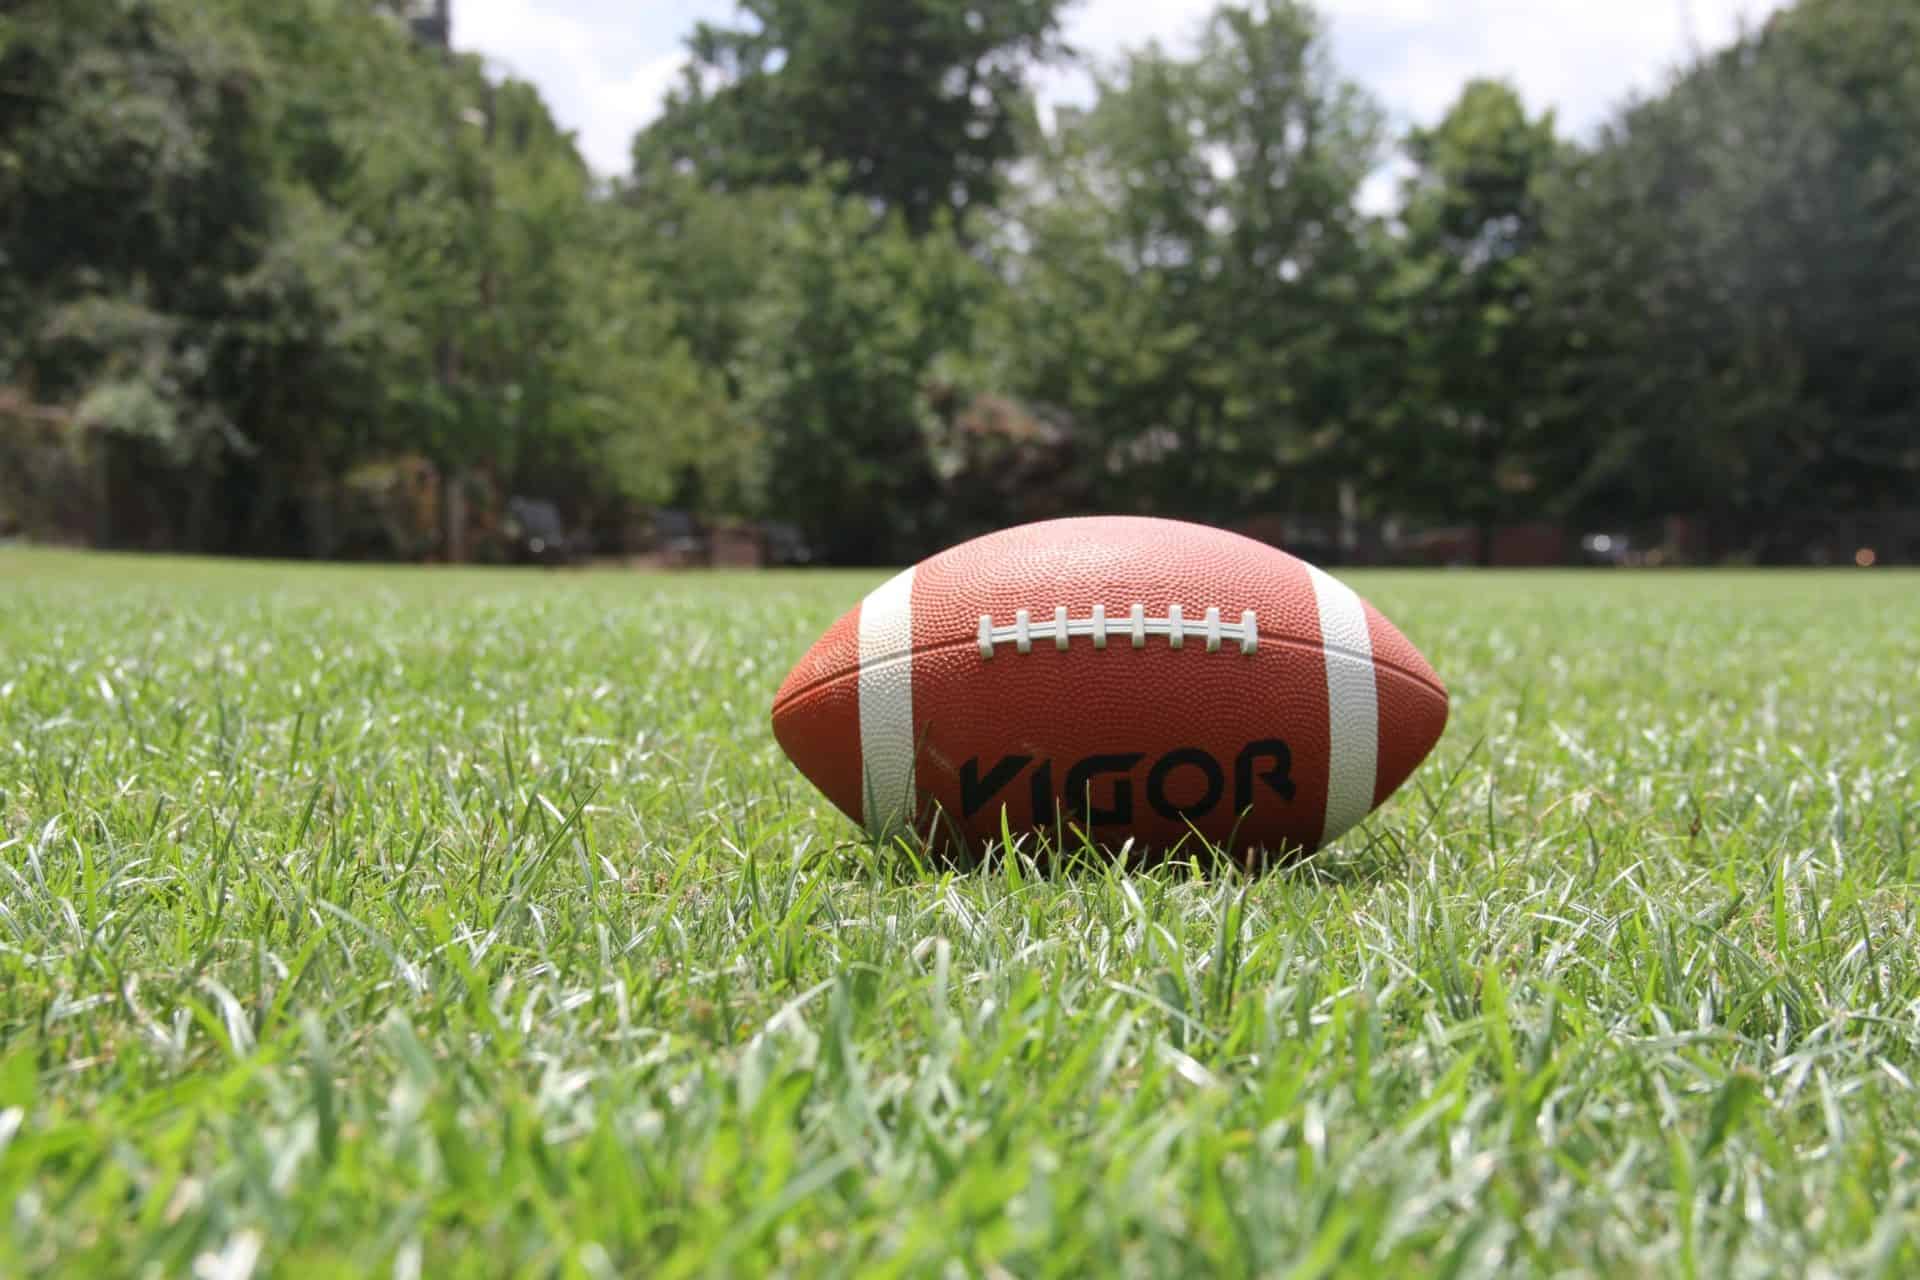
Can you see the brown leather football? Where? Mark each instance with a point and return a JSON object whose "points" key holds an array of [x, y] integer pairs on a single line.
{"points": [[1132, 678]]}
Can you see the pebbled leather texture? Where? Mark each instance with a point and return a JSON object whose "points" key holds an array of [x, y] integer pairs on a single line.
{"points": [[1126, 743]]}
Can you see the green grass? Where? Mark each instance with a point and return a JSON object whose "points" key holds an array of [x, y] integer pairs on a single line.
{"points": [[428, 923]]}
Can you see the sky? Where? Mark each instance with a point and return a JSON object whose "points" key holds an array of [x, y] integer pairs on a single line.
{"points": [[604, 65]]}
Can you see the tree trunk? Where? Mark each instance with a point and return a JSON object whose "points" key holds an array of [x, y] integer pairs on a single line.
{"points": [[317, 510], [100, 444], [197, 533], [453, 509], [263, 518], [1349, 522]]}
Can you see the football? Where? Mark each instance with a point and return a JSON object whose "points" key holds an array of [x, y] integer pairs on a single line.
{"points": [[1122, 677]]}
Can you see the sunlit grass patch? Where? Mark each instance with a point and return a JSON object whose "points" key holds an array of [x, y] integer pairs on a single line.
{"points": [[388, 921]]}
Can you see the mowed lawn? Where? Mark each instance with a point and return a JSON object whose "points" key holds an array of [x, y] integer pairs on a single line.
{"points": [[447, 923]]}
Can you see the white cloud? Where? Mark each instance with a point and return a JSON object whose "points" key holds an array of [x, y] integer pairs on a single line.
{"points": [[537, 42], [1581, 57], [622, 107], [602, 72], [604, 68]]}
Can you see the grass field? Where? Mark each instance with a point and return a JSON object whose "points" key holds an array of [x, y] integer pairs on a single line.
{"points": [[426, 923]]}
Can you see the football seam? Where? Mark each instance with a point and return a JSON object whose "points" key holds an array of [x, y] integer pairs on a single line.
{"points": [[1291, 642], [1135, 627]]}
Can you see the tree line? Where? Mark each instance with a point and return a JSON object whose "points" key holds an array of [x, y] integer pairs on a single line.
{"points": [[853, 282]]}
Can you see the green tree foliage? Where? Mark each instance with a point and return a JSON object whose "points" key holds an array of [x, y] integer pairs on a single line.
{"points": [[1736, 263], [134, 195], [253, 244], [636, 416], [248, 250], [1194, 279], [1467, 438], [914, 104], [836, 367], [716, 247]]}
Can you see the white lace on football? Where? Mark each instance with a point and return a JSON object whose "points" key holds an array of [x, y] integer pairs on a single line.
{"points": [[1136, 628]]}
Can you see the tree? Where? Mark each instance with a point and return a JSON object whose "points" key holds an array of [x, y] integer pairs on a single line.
{"points": [[914, 104], [253, 245], [1190, 271], [1465, 439], [632, 413], [133, 194], [843, 342], [1735, 265], [716, 247]]}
